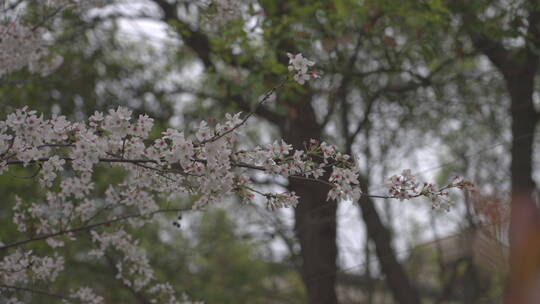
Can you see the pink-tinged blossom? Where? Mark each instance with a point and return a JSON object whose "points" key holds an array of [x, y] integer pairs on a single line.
{"points": [[231, 123], [50, 168], [328, 150], [300, 65], [281, 148], [117, 122], [344, 185], [142, 127], [204, 132], [403, 186]]}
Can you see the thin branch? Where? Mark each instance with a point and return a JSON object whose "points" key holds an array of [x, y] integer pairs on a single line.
{"points": [[423, 81], [365, 120], [331, 108], [265, 98]]}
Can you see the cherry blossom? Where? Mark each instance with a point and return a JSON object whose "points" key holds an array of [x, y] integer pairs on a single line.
{"points": [[403, 186], [300, 65]]}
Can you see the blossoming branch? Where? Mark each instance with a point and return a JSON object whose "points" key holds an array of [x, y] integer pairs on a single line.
{"points": [[206, 164]]}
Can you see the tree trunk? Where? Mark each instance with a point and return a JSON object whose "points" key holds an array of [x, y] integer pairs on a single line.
{"points": [[315, 218], [395, 275], [316, 230]]}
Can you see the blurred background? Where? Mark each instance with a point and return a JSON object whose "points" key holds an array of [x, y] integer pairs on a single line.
{"points": [[425, 85]]}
